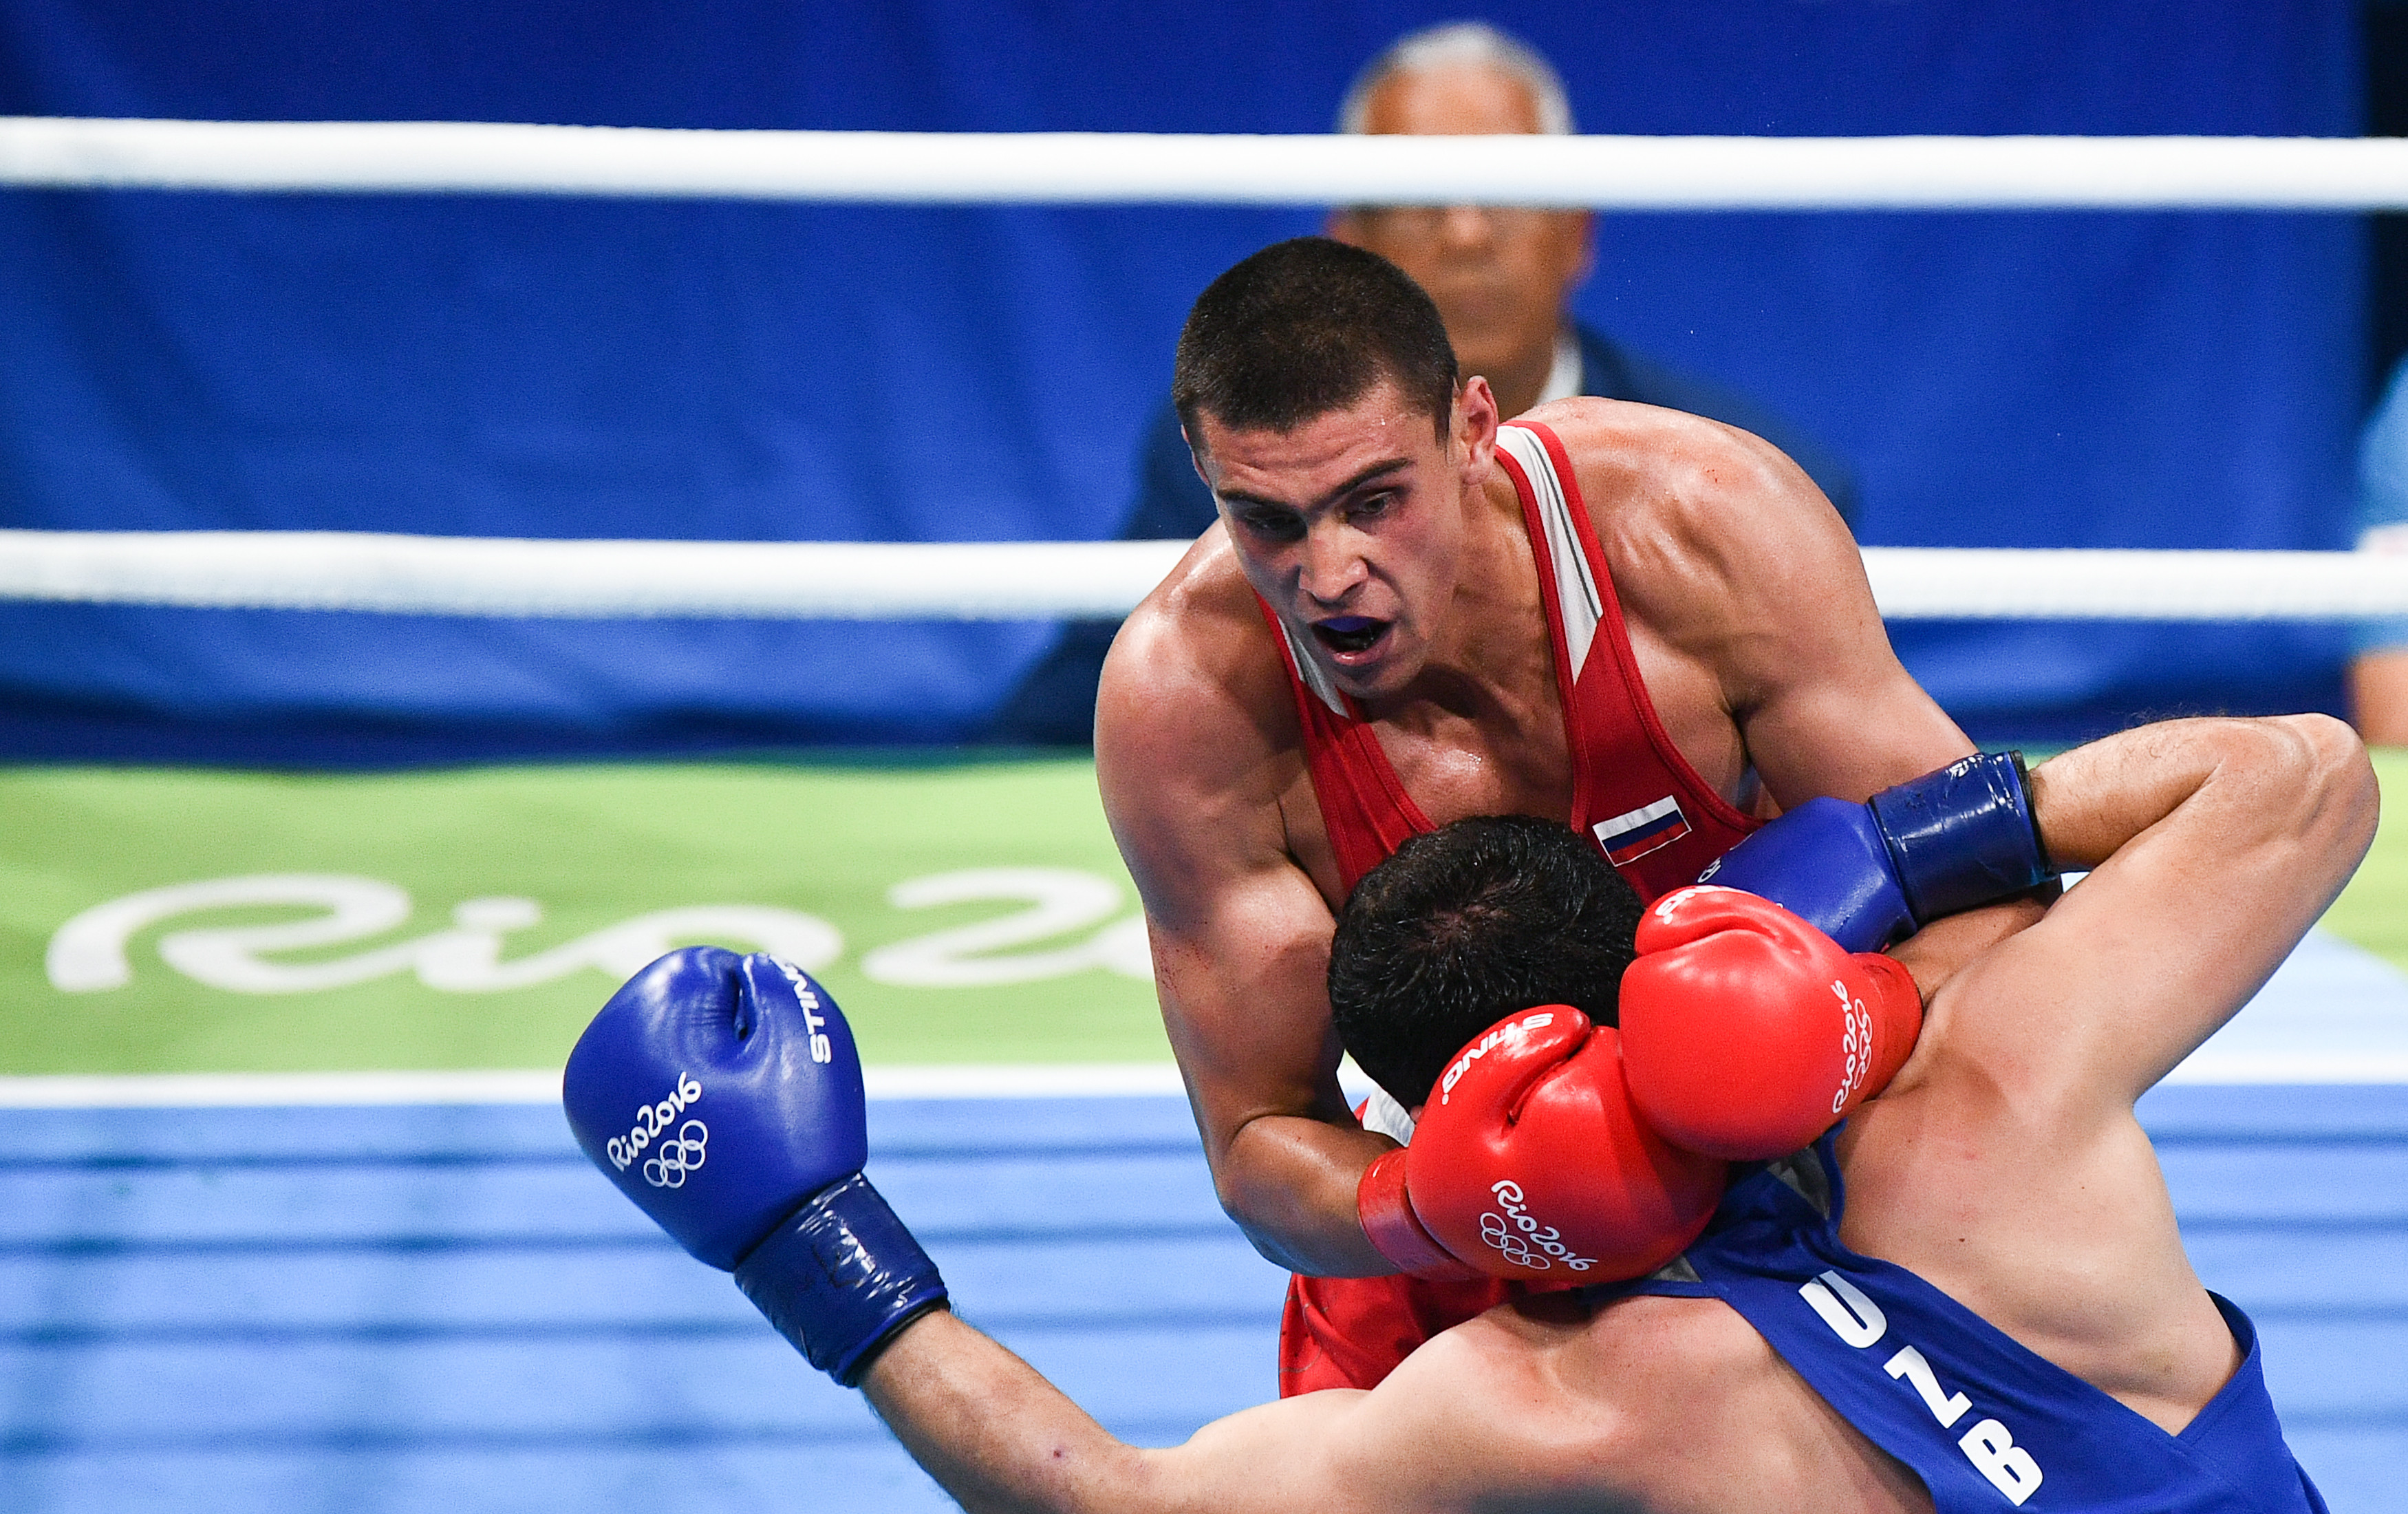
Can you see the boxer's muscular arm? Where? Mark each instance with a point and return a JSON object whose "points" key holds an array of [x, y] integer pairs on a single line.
{"points": [[1730, 558], [1192, 777], [1003, 1440], [2006, 1165], [1244, 998], [2214, 845]]}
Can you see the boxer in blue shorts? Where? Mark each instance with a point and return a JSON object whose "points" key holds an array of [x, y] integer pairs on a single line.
{"points": [[1970, 1296]]}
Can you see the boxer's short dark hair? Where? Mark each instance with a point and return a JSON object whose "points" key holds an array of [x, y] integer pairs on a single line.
{"points": [[1305, 327], [1465, 926]]}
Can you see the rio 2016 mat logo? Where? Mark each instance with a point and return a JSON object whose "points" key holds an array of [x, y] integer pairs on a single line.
{"points": [[1067, 911]]}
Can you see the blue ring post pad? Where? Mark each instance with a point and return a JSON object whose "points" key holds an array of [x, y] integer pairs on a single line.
{"points": [[1962, 836], [839, 1277]]}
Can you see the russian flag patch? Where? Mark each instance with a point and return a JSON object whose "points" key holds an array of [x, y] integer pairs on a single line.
{"points": [[1627, 838]]}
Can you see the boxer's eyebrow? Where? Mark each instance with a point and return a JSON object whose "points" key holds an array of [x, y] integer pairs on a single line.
{"points": [[1369, 475]]}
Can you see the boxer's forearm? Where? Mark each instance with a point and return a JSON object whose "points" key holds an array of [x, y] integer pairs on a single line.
{"points": [[1289, 1181], [997, 1436], [1242, 977], [1003, 1440], [2211, 846], [2095, 800]]}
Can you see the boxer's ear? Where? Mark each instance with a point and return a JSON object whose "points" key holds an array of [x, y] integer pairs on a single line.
{"points": [[1473, 426]]}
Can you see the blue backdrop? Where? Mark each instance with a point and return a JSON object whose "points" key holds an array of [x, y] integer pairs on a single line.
{"points": [[540, 367]]}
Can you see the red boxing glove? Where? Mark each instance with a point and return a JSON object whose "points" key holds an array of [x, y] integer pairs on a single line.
{"points": [[1529, 1162], [1746, 1032]]}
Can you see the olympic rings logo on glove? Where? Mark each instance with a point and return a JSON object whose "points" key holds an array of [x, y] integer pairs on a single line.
{"points": [[680, 1155], [1518, 1237], [1505, 1243]]}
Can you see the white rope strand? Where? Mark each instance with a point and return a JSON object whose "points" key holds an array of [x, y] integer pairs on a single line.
{"points": [[429, 575], [2078, 584], [1038, 580], [1660, 173]]}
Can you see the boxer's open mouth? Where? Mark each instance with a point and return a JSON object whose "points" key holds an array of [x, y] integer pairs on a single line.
{"points": [[1348, 634]]}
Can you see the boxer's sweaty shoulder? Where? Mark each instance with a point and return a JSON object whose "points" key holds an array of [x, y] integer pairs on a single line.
{"points": [[2005, 1167]]}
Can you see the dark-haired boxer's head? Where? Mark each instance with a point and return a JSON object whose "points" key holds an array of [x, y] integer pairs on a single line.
{"points": [[1308, 379], [1304, 327], [1463, 927]]}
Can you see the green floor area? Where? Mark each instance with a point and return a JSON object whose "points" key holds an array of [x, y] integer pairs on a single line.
{"points": [[971, 912], [183, 920]]}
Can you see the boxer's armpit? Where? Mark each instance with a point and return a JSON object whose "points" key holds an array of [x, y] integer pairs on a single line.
{"points": [[1941, 949]]}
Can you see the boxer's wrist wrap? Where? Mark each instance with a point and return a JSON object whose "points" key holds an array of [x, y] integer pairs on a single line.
{"points": [[1962, 836], [839, 1277], [1395, 1232]]}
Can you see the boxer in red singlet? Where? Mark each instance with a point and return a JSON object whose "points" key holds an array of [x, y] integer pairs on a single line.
{"points": [[1650, 624]]}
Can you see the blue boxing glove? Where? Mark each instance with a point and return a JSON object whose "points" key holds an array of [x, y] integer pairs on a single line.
{"points": [[1824, 862], [1870, 874], [722, 1094]]}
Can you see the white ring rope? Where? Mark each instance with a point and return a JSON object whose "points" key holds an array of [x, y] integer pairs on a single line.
{"points": [[584, 580], [1038, 580], [481, 576], [1661, 173]]}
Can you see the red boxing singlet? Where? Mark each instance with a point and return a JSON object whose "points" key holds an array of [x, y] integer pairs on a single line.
{"points": [[1633, 793]]}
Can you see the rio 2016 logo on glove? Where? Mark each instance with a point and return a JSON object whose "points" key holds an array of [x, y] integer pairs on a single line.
{"points": [[1518, 1237], [652, 1121], [1855, 1044]]}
